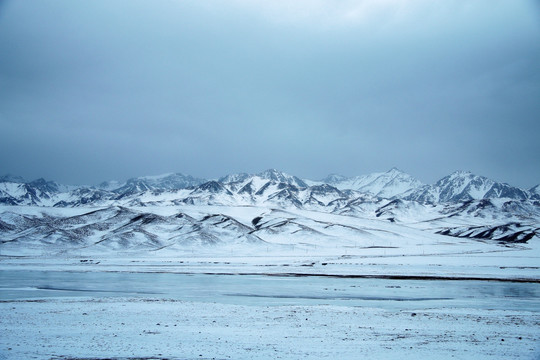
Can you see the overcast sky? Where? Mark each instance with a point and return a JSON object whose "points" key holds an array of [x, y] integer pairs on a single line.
{"points": [[110, 89]]}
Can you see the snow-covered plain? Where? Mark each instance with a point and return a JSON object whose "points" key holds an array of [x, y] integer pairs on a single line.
{"points": [[169, 329], [95, 325]]}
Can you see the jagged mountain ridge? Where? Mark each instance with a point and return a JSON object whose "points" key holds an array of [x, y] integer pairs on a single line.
{"points": [[40, 191], [251, 188], [464, 186], [171, 181], [272, 175]]}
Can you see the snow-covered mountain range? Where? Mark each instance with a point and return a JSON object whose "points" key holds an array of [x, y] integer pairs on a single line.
{"points": [[267, 186], [274, 204]]}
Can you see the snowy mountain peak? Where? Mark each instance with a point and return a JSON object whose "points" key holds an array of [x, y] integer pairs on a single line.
{"points": [[44, 185], [234, 178], [466, 186], [273, 174], [463, 186], [132, 187], [389, 184], [37, 192], [395, 170], [461, 173], [170, 181], [278, 176]]}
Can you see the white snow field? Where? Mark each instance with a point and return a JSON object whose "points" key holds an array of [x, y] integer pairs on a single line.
{"points": [[168, 329], [303, 285]]}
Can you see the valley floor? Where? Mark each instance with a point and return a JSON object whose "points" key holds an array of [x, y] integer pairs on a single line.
{"points": [[92, 326], [467, 260]]}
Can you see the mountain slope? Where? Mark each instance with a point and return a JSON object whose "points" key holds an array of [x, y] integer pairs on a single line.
{"points": [[535, 192], [37, 192], [119, 229], [392, 183]]}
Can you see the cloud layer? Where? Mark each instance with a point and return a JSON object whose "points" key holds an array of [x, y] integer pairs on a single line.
{"points": [[113, 89]]}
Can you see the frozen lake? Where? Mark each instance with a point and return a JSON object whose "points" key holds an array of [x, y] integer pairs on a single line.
{"points": [[262, 290]]}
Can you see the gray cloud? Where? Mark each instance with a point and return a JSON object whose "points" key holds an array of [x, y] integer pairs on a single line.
{"points": [[113, 89]]}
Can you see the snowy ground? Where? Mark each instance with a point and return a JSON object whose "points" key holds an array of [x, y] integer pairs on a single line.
{"points": [[90, 326], [447, 261], [141, 328]]}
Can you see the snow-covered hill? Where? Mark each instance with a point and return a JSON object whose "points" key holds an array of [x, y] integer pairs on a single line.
{"points": [[124, 217]]}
